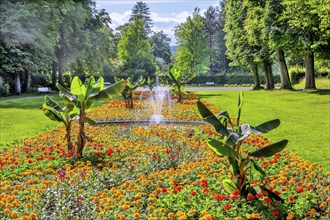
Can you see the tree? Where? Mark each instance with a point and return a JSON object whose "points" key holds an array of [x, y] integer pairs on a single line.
{"points": [[192, 53], [277, 33], [142, 9], [310, 20], [254, 30], [134, 50], [238, 48], [160, 45], [84, 95]]}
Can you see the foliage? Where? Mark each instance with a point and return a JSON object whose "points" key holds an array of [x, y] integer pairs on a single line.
{"points": [[142, 9], [296, 74], [179, 79], [4, 87], [160, 45], [242, 164], [128, 90], [192, 51], [65, 114], [134, 50], [84, 95]]}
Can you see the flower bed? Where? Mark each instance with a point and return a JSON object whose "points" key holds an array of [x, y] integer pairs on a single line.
{"points": [[155, 172]]}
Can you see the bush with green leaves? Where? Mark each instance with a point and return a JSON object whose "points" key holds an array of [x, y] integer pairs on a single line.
{"points": [[296, 74], [4, 87], [242, 163], [82, 96], [179, 79]]}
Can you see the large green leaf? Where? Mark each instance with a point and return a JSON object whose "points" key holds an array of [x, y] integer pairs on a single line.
{"points": [[77, 87], [270, 150], [267, 126], [232, 139], [225, 115], [112, 90], [65, 92], [95, 89], [53, 114], [53, 104], [271, 194], [209, 117], [221, 149], [229, 186], [233, 166], [257, 168]]}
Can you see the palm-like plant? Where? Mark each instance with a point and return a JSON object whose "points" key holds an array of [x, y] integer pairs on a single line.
{"points": [[233, 135], [179, 80], [83, 96], [65, 114], [128, 90]]}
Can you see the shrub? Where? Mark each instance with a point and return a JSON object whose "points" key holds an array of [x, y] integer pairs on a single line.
{"points": [[4, 87], [40, 80], [323, 72], [296, 73]]}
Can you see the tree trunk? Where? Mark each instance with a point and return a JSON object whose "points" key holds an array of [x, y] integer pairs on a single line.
{"points": [[68, 137], [60, 53], [81, 140], [268, 75], [254, 69], [285, 80], [28, 81], [18, 89], [54, 75], [309, 70]]}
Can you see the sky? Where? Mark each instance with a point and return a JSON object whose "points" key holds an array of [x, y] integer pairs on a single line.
{"points": [[166, 14]]}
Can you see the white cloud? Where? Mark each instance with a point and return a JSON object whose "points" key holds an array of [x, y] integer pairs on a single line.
{"points": [[119, 18], [173, 17]]}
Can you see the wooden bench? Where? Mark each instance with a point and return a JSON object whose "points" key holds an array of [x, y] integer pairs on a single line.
{"points": [[43, 89], [210, 83]]}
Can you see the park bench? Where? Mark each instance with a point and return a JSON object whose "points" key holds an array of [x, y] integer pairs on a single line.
{"points": [[43, 89], [210, 83], [107, 83]]}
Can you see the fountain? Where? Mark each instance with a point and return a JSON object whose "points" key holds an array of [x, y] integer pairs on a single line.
{"points": [[158, 97]]}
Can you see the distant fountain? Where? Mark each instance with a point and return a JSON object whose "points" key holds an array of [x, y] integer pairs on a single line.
{"points": [[159, 96]]}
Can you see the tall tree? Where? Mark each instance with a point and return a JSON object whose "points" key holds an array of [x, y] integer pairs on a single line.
{"points": [[142, 9], [310, 20], [239, 50], [254, 30], [211, 20], [160, 44], [134, 50], [277, 33], [192, 53]]}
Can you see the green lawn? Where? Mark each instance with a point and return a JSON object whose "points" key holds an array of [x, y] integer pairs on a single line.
{"points": [[23, 118], [305, 117]]}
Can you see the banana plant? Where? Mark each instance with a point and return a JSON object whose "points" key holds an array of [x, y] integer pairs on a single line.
{"points": [[233, 133], [128, 90], [65, 114], [179, 80], [83, 96]]}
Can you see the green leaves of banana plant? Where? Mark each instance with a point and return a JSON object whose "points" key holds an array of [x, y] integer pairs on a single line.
{"points": [[267, 126], [209, 117], [270, 150], [221, 149]]}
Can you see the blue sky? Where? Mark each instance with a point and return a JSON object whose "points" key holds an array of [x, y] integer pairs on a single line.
{"points": [[166, 14]]}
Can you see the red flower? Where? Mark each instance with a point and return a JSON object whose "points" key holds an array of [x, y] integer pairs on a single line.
{"points": [[267, 200], [236, 192], [164, 190], [203, 183], [275, 213], [109, 152], [234, 197], [205, 190], [219, 197], [227, 207], [193, 193], [250, 197], [291, 198], [300, 190]]}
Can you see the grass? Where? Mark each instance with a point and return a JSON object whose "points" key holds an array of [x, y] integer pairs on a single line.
{"points": [[305, 117], [20, 119], [323, 83]]}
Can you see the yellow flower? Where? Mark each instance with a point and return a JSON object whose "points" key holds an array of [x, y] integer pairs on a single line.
{"points": [[290, 216], [14, 214]]}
